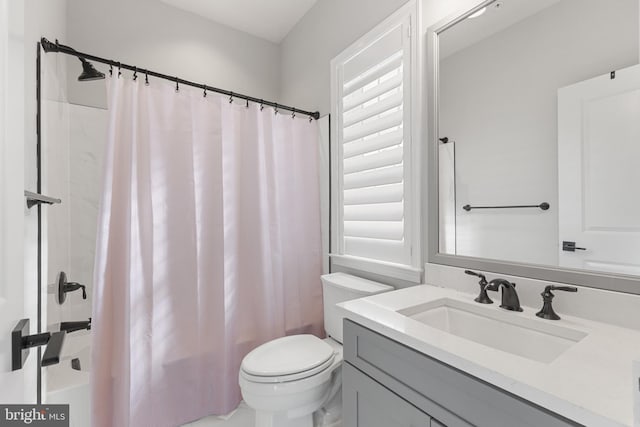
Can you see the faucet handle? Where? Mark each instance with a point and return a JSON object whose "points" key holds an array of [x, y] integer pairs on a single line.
{"points": [[482, 277], [550, 288], [74, 286], [547, 312], [483, 298], [64, 287]]}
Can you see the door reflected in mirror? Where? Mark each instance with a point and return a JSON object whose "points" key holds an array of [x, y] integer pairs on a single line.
{"points": [[539, 127]]}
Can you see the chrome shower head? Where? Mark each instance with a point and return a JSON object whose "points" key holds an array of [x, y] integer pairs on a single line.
{"points": [[89, 72]]}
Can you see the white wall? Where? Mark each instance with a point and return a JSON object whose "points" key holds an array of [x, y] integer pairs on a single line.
{"points": [[498, 101], [325, 31], [73, 150], [599, 305], [151, 34], [331, 26], [41, 16], [18, 157], [154, 35], [12, 286]]}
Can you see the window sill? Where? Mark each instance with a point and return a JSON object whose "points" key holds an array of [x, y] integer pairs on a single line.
{"points": [[387, 269]]}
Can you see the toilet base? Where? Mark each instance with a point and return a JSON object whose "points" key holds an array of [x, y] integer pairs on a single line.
{"points": [[269, 419]]}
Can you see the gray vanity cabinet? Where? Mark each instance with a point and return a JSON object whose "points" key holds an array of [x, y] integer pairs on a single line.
{"points": [[376, 406], [386, 384]]}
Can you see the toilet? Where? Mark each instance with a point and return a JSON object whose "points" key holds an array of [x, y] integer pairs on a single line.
{"points": [[291, 381]]}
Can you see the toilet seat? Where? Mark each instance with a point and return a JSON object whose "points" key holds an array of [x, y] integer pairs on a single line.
{"points": [[288, 378], [287, 359]]}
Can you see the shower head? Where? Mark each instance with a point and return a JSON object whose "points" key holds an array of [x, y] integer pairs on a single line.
{"points": [[89, 72]]}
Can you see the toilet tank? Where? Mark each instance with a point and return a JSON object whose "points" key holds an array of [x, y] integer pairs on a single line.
{"points": [[340, 287]]}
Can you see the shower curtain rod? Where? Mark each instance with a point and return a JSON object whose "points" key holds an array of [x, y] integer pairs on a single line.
{"points": [[56, 47]]}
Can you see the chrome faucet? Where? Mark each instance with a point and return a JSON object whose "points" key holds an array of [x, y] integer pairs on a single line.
{"points": [[510, 300]]}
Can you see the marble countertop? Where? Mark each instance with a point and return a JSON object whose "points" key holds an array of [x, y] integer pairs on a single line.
{"points": [[591, 383]]}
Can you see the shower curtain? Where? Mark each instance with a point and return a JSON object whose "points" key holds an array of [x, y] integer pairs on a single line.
{"points": [[208, 245]]}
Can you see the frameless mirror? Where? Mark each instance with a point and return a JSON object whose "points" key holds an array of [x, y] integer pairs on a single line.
{"points": [[538, 136]]}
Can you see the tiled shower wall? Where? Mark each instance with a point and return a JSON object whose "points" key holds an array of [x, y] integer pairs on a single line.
{"points": [[74, 140]]}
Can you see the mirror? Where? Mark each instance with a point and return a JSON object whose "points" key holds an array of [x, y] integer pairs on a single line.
{"points": [[537, 149]]}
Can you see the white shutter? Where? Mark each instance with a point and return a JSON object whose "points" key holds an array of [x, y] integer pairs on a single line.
{"points": [[373, 86]]}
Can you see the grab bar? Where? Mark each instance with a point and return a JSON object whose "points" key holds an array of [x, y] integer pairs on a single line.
{"points": [[544, 206]]}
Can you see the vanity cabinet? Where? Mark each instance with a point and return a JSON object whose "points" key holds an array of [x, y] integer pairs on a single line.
{"points": [[388, 384], [376, 406]]}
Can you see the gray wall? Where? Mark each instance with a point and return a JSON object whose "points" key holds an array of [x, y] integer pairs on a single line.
{"points": [[499, 103], [150, 34], [325, 31]]}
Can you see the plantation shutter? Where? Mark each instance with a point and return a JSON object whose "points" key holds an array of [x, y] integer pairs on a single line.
{"points": [[374, 135]]}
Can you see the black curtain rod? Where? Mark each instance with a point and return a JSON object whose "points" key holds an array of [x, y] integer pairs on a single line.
{"points": [[56, 47]]}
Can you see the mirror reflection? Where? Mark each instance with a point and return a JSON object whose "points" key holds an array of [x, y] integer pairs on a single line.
{"points": [[539, 125]]}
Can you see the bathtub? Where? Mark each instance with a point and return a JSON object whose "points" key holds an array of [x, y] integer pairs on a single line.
{"points": [[66, 385]]}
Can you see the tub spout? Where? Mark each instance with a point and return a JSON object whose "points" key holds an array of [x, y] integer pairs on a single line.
{"points": [[75, 326]]}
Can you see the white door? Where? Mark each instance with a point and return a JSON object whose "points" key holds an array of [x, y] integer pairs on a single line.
{"points": [[599, 172], [18, 386]]}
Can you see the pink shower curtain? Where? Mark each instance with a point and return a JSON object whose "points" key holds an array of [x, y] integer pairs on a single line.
{"points": [[208, 245]]}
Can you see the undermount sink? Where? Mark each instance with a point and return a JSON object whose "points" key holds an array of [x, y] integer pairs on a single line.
{"points": [[534, 339]]}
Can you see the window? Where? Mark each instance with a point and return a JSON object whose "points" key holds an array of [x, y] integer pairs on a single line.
{"points": [[374, 94]]}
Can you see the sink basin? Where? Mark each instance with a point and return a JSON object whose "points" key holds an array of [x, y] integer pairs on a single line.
{"points": [[534, 339]]}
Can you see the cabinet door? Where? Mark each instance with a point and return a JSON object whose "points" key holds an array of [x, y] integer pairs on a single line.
{"points": [[369, 404]]}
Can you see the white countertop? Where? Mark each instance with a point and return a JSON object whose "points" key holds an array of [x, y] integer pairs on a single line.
{"points": [[590, 383]]}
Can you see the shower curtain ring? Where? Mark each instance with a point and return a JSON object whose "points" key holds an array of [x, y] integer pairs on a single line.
{"points": [[146, 78], [177, 86], [135, 73], [261, 105], [293, 114], [110, 70], [247, 103], [205, 92], [275, 110], [310, 119], [231, 98], [119, 70]]}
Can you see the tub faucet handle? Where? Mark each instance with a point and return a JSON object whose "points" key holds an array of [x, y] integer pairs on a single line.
{"points": [[64, 287]]}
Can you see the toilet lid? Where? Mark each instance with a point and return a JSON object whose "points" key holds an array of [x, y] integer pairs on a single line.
{"points": [[287, 356]]}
